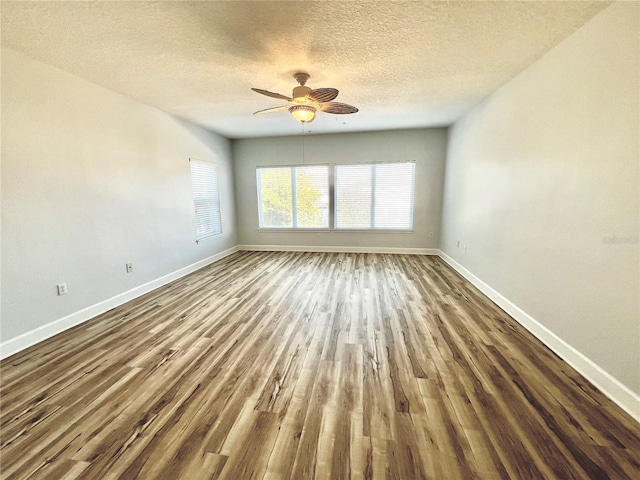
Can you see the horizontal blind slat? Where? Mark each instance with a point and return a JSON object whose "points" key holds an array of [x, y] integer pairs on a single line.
{"points": [[354, 189], [206, 198], [383, 200]]}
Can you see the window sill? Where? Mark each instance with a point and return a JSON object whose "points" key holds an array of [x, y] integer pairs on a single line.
{"points": [[382, 230], [200, 240], [287, 230], [332, 230]]}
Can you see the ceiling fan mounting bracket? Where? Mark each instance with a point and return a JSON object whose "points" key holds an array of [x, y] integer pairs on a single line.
{"points": [[301, 77]]}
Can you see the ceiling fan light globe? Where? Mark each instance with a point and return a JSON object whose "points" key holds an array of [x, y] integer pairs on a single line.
{"points": [[303, 113]]}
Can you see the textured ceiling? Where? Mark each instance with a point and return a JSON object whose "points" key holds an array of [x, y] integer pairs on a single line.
{"points": [[404, 64]]}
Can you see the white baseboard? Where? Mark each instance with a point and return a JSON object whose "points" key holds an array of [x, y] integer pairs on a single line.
{"points": [[39, 334], [330, 249], [622, 395]]}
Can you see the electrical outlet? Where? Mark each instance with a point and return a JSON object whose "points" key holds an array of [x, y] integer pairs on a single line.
{"points": [[62, 288], [129, 267]]}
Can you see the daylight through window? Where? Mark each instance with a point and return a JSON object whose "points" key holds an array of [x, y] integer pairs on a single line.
{"points": [[374, 196], [293, 197]]}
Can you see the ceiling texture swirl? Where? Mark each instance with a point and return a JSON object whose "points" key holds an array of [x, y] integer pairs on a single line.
{"points": [[405, 64]]}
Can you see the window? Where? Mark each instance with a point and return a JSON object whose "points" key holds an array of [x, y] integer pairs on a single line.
{"points": [[374, 196], [293, 197], [206, 198]]}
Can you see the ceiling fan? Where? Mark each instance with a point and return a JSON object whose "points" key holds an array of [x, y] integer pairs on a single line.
{"points": [[306, 102]]}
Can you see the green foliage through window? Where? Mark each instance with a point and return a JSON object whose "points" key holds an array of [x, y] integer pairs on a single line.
{"points": [[293, 197]]}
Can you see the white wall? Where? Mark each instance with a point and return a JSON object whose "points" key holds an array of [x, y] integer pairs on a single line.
{"points": [[427, 147], [542, 185], [92, 180]]}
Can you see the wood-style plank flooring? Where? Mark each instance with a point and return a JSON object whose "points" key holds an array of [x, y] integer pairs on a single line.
{"points": [[308, 365]]}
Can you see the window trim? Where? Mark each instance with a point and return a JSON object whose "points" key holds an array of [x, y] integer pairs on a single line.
{"points": [[332, 228]]}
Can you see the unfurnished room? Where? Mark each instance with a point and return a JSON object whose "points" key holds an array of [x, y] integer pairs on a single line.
{"points": [[320, 240]]}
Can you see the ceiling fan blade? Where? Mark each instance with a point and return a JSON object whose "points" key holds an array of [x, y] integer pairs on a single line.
{"points": [[269, 110], [321, 95], [337, 107], [271, 94]]}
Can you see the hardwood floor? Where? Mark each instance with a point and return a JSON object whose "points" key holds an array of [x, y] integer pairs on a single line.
{"points": [[308, 365]]}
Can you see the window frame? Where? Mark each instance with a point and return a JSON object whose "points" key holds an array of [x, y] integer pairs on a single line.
{"points": [[332, 200], [214, 199], [294, 213], [371, 228]]}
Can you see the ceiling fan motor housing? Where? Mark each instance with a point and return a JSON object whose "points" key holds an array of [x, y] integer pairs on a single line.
{"points": [[300, 92]]}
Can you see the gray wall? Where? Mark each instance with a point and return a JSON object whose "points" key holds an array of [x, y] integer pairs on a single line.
{"points": [[427, 147], [541, 186], [92, 180]]}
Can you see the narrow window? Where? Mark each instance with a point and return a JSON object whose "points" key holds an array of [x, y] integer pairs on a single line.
{"points": [[206, 198]]}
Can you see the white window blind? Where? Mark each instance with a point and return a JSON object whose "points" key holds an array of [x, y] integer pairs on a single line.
{"points": [[374, 196], [293, 197], [206, 198]]}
